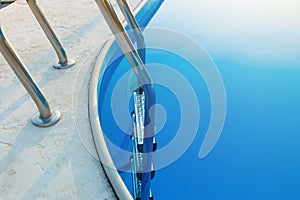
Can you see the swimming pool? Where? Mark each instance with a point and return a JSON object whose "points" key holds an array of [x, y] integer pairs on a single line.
{"points": [[254, 47]]}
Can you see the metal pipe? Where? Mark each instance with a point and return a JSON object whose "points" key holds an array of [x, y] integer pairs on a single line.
{"points": [[124, 41], [64, 62], [144, 81], [134, 26], [44, 118]]}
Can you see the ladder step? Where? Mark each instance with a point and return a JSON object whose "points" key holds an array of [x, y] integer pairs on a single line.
{"points": [[139, 175]]}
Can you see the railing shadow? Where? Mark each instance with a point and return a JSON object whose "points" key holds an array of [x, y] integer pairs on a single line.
{"points": [[28, 137]]}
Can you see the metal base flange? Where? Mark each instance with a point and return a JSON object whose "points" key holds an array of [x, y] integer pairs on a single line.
{"points": [[66, 65], [40, 122]]}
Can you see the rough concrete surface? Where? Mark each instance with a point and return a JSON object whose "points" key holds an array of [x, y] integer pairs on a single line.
{"points": [[51, 163]]}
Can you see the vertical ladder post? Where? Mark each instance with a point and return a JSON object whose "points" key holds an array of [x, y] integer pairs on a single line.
{"points": [[63, 62], [45, 117]]}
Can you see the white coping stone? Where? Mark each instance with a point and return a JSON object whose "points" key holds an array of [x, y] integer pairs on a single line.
{"points": [[51, 163]]}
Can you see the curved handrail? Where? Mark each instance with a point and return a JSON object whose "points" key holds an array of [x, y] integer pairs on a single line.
{"points": [[144, 80]]}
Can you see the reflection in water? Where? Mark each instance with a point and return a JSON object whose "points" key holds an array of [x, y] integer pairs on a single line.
{"points": [[261, 32]]}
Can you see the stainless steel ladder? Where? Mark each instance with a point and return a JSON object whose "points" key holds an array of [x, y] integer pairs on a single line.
{"points": [[45, 117], [138, 118], [63, 61], [142, 161]]}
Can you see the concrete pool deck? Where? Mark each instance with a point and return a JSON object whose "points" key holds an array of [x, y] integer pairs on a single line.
{"points": [[58, 162]]}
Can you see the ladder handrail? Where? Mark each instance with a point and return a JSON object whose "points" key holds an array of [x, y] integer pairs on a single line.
{"points": [[143, 77], [134, 26], [123, 39], [45, 117], [63, 62]]}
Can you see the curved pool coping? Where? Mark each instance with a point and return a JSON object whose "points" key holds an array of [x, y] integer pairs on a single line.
{"points": [[144, 12]]}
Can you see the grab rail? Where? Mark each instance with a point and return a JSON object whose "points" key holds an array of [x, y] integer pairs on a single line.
{"points": [[64, 62], [143, 78], [45, 117], [123, 40], [132, 23]]}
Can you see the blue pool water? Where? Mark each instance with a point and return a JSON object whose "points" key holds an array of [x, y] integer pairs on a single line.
{"points": [[255, 46]]}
